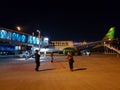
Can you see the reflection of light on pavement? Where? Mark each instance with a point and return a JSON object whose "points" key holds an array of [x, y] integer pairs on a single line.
{"points": [[22, 60], [31, 59]]}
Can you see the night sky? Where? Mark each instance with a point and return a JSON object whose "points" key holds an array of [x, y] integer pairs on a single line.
{"points": [[67, 20]]}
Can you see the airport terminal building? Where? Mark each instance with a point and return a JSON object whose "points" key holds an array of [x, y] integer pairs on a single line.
{"points": [[13, 42]]}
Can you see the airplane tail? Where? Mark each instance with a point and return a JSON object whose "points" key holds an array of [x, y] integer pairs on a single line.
{"points": [[110, 35]]}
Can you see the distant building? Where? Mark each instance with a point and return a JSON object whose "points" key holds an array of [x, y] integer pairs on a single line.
{"points": [[77, 43], [60, 45]]}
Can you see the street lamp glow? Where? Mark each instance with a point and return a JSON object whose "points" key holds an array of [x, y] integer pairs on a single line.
{"points": [[18, 28], [38, 31]]}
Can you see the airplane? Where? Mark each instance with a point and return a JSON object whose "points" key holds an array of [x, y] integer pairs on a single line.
{"points": [[107, 39]]}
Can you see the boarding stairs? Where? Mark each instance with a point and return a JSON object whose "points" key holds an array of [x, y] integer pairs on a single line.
{"points": [[112, 48]]}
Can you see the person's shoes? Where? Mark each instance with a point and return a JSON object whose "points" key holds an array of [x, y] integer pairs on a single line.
{"points": [[36, 69], [71, 69]]}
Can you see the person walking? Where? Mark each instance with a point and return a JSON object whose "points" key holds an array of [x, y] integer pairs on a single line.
{"points": [[51, 57], [37, 60], [70, 60]]}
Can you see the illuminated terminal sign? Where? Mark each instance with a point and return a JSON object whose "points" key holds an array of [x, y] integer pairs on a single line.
{"points": [[4, 34], [19, 37], [33, 40], [14, 36]]}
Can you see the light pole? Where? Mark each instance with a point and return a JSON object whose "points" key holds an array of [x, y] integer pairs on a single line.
{"points": [[19, 46], [39, 38]]}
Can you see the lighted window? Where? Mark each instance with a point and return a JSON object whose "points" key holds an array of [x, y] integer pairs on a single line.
{"points": [[23, 38], [3, 34], [37, 40], [8, 35], [30, 39], [34, 40]]}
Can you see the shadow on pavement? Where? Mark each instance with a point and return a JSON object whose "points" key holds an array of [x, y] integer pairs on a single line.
{"points": [[47, 69], [77, 69]]}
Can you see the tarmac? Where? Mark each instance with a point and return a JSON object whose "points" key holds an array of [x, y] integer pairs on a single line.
{"points": [[96, 72]]}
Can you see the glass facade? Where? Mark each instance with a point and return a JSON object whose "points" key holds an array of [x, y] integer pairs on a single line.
{"points": [[23, 38], [19, 37], [14, 36], [10, 48], [4, 34], [33, 40], [30, 39], [8, 36]]}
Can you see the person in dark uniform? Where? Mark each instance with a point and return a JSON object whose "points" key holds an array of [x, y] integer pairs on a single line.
{"points": [[70, 60], [37, 60]]}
